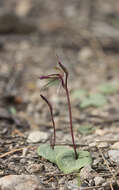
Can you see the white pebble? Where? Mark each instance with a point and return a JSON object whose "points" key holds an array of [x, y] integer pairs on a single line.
{"points": [[99, 180], [114, 155], [37, 136]]}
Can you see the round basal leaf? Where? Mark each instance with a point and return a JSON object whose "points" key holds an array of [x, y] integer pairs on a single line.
{"points": [[107, 88], [96, 100], [61, 149], [68, 164], [50, 154], [47, 152], [79, 94], [86, 129]]}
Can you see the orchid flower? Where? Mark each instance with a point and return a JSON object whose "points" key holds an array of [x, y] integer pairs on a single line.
{"points": [[62, 77]]}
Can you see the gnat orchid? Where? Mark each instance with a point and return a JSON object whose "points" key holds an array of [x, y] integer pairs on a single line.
{"points": [[61, 77]]}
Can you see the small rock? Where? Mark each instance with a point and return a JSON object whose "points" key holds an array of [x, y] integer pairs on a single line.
{"points": [[99, 180], [114, 155], [92, 182], [24, 152], [23, 161], [72, 185], [20, 182], [85, 54], [62, 188], [84, 184], [100, 132], [37, 136], [103, 145], [115, 145], [23, 8], [33, 168], [61, 181], [97, 161], [92, 144], [85, 172]]}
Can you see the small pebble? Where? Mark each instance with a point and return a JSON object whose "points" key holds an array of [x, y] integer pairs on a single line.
{"points": [[84, 184], [85, 172], [103, 145], [85, 54], [93, 144], [23, 161], [61, 181], [62, 188], [37, 136], [92, 182], [97, 161], [72, 184], [19, 182], [33, 168], [115, 145], [99, 180], [114, 155]]}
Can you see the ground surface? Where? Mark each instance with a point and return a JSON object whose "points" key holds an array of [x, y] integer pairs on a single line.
{"points": [[84, 34]]}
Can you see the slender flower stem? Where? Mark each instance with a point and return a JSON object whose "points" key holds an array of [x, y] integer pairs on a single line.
{"points": [[69, 106], [52, 118], [70, 117]]}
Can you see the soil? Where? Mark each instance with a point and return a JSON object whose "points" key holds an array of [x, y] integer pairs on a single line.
{"points": [[85, 36]]}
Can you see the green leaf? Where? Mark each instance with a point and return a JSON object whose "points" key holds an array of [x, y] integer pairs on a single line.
{"points": [[68, 164], [46, 152], [107, 88], [86, 129], [96, 100], [81, 93], [79, 180], [64, 157], [12, 110]]}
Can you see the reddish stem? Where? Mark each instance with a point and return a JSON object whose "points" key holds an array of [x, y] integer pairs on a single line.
{"points": [[70, 118], [69, 107], [52, 118]]}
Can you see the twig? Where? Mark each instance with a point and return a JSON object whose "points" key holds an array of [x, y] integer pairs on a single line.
{"points": [[13, 151], [106, 163], [111, 186]]}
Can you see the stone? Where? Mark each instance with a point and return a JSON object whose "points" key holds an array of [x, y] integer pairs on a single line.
{"points": [[20, 182], [115, 145], [114, 155], [85, 172], [92, 144], [99, 180], [97, 161], [103, 145], [34, 168], [72, 185], [85, 54], [37, 136]]}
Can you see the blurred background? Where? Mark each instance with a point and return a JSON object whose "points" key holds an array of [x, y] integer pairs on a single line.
{"points": [[83, 33]]}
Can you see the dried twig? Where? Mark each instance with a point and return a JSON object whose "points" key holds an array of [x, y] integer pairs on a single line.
{"points": [[107, 165]]}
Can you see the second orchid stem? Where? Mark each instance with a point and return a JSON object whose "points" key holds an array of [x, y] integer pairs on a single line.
{"points": [[52, 118]]}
